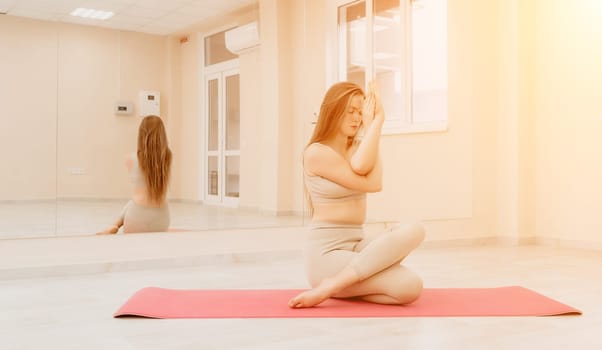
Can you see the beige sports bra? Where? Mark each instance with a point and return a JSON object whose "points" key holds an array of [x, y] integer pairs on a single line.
{"points": [[322, 190]]}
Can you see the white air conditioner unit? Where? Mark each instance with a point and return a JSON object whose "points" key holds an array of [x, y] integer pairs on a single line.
{"points": [[242, 38]]}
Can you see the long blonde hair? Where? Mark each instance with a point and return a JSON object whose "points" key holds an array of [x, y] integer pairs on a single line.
{"points": [[332, 111], [154, 157]]}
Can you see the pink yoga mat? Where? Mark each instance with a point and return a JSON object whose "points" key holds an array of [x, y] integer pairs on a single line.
{"points": [[255, 303]]}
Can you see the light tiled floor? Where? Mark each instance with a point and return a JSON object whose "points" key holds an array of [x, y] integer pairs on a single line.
{"points": [[74, 312], [77, 217]]}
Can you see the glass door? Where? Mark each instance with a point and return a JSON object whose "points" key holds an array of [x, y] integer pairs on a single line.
{"points": [[212, 165], [231, 156], [222, 163]]}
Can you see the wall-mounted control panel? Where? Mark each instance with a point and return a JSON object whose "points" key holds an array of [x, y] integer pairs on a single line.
{"points": [[150, 103]]}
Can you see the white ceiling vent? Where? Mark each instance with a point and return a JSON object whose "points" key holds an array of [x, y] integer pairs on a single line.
{"points": [[242, 38]]}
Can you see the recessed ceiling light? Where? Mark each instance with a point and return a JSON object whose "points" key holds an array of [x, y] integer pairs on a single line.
{"points": [[91, 13]]}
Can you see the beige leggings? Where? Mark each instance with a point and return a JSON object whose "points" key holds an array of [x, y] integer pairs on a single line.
{"points": [[375, 258], [137, 218]]}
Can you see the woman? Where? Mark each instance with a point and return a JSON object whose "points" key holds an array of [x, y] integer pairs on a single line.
{"points": [[342, 261], [149, 171]]}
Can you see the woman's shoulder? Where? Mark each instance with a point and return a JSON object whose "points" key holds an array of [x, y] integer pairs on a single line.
{"points": [[320, 156], [318, 150], [318, 147], [314, 155]]}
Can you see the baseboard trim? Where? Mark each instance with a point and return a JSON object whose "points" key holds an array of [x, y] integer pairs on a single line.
{"points": [[479, 241], [28, 201], [567, 243]]}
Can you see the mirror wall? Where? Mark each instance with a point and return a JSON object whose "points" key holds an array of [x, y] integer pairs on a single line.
{"points": [[28, 132], [63, 146]]}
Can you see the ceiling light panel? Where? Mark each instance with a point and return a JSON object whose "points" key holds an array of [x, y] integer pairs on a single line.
{"points": [[91, 13], [106, 5]]}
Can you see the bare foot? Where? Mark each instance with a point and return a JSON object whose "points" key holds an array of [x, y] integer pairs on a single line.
{"points": [[313, 296]]}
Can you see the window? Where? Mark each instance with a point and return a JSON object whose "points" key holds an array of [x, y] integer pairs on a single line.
{"points": [[402, 44]]}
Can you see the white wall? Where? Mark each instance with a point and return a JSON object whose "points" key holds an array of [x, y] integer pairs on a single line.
{"points": [[568, 120], [250, 80], [28, 109]]}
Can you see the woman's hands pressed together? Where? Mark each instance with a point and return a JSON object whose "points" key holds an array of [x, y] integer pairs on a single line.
{"points": [[369, 109], [373, 109]]}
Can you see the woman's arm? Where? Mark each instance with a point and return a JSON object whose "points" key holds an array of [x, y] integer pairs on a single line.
{"points": [[365, 156], [112, 229], [363, 159], [323, 161]]}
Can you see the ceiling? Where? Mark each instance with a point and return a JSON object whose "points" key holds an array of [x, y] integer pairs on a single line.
{"points": [[160, 17]]}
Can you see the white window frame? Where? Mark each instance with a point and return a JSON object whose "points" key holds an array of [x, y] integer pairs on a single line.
{"points": [[394, 124]]}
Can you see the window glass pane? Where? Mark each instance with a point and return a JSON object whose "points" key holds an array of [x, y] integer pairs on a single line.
{"points": [[352, 42], [215, 49], [429, 60], [232, 112], [387, 55], [213, 115], [212, 188], [232, 176]]}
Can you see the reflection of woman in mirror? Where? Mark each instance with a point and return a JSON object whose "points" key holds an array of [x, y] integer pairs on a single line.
{"points": [[149, 171], [342, 260]]}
